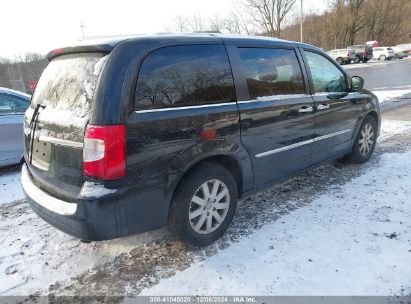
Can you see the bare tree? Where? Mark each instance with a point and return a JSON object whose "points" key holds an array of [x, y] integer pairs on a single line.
{"points": [[180, 24], [269, 15], [238, 23], [197, 23]]}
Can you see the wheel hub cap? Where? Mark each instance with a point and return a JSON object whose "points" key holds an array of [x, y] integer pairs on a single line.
{"points": [[366, 140], [209, 206]]}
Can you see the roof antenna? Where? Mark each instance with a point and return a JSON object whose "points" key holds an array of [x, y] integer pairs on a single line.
{"points": [[82, 26]]}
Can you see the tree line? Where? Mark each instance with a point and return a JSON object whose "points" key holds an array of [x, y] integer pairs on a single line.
{"points": [[343, 23]]}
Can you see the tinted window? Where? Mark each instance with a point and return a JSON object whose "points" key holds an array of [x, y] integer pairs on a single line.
{"points": [[12, 105], [183, 76], [271, 72], [326, 76]]}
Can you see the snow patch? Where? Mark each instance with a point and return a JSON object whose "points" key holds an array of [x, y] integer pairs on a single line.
{"points": [[334, 246], [390, 95], [91, 189], [10, 187], [62, 117]]}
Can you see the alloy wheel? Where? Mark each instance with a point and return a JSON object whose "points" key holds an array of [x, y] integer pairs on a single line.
{"points": [[366, 139], [209, 206]]}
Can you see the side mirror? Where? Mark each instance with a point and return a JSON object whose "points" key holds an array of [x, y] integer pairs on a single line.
{"points": [[357, 83]]}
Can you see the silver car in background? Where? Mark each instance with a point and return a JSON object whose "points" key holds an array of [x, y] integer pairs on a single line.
{"points": [[13, 104]]}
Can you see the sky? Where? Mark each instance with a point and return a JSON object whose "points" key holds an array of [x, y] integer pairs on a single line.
{"points": [[42, 25]]}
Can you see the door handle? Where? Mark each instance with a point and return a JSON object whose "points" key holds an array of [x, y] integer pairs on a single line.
{"points": [[323, 106], [305, 109]]}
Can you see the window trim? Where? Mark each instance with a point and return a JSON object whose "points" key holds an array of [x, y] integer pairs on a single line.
{"points": [[149, 52], [241, 71], [332, 61]]}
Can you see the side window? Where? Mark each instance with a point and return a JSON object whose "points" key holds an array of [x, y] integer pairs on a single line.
{"points": [[12, 105], [271, 72], [185, 75], [326, 76]]}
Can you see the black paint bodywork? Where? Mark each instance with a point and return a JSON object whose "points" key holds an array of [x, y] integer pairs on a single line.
{"points": [[163, 145]]}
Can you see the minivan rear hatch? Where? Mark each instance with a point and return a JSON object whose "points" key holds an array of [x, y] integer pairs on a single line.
{"points": [[56, 120]]}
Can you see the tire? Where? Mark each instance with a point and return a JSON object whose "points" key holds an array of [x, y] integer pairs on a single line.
{"points": [[365, 60], [360, 154], [190, 199], [339, 60], [382, 57], [357, 59]]}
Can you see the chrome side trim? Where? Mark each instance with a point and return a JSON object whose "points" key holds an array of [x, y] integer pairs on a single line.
{"points": [[331, 135], [296, 145], [301, 143], [258, 99], [61, 142], [274, 97], [186, 107], [44, 199]]}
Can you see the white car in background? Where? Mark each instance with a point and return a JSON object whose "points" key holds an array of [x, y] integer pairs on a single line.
{"points": [[383, 53]]}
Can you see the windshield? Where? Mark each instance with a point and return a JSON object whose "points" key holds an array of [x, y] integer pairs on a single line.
{"points": [[68, 83]]}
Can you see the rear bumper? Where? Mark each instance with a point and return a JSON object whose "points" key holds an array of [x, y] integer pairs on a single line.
{"points": [[95, 219]]}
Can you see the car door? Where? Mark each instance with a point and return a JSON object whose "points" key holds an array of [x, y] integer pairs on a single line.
{"points": [[276, 112], [11, 128], [336, 108]]}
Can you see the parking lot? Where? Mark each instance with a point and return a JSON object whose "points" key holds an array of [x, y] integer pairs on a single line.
{"points": [[338, 230]]}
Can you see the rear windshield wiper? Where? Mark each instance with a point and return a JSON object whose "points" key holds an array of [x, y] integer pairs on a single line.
{"points": [[32, 126]]}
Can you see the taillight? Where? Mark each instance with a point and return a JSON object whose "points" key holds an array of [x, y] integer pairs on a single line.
{"points": [[104, 152]]}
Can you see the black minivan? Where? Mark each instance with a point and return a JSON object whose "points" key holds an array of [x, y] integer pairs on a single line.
{"points": [[129, 135]]}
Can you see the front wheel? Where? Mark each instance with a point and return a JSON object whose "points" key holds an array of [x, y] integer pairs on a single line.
{"points": [[204, 205], [339, 61], [357, 59], [383, 58], [365, 141]]}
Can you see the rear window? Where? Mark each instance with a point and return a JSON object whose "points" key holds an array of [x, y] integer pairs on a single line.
{"points": [[68, 83]]}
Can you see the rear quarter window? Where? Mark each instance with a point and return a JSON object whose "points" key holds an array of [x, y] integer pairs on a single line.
{"points": [[184, 75]]}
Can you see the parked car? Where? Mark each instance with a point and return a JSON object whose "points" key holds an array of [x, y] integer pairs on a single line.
{"points": [[372, 43], [402, 51], [342, 55], [383, 53], [362, 53], [129, 135], [13, 104]]}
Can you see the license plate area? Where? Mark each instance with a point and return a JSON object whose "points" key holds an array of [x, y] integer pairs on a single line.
{"points": [[41, 154]]}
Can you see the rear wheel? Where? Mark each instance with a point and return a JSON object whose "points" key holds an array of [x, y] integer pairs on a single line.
{"points": [[340, 60], [357, 59], [365, 141], [204, 205], [383, 57]]}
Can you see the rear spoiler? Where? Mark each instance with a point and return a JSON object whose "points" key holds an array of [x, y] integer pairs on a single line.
{"points": [[95, 45], [102, 48]]}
